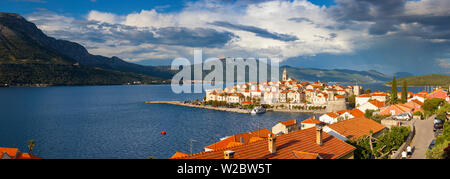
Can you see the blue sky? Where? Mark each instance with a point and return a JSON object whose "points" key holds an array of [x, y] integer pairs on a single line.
{"points": [[384, 35]]}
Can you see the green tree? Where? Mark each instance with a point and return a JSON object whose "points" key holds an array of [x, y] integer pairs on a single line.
{"points": [[431, 105], [31, 145], [404, 92], [442, 142], [351, 101], [442, 112], [369, 113], [367, 91], [394, 96], [368, 147]]}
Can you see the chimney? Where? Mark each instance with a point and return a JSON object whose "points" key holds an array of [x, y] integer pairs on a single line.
{"points": [[319, 129], [272, 144], [229, 154]]}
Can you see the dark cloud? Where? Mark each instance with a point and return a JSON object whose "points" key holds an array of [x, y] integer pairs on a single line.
{"points": [[197, 37], [300, 19], [256, 30], [386, 15]]}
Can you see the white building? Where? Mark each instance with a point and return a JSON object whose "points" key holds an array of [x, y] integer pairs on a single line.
{"points": [[329, 118]]}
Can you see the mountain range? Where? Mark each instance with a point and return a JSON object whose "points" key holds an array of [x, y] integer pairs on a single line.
{"points": [[28, 56]]}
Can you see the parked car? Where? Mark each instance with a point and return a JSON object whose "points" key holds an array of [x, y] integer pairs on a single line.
{"points": [[405, 116], [437, 121], [432, 144], [438, 126]]}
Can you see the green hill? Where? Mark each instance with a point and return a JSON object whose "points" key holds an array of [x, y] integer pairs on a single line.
{"points": [[427, 80], [28, 56]]}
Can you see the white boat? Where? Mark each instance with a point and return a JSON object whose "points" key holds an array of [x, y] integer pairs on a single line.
{"points": [[258, 110]]}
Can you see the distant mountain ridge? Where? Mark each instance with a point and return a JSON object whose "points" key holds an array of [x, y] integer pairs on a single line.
{"points": [[314, 74], [426, 80], [21, 42], [28, 56]]}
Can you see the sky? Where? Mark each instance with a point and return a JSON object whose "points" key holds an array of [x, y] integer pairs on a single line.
{"points": [[384, 35]]}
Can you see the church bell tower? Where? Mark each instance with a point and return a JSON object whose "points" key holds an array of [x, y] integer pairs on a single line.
{"points": [[285, 76]]}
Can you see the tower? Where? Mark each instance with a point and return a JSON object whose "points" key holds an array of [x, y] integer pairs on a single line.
{"points": [[285, 76]]}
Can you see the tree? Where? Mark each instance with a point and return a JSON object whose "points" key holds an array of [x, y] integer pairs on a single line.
{"points": [[31, 145], [369, 113], [442, 142], [394, 96], [379, 148], [404, 92], [442, 112], [431, 105], [351, 101], [368, 91]]}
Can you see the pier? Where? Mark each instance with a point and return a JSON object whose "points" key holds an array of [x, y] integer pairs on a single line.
{"points": [[235, 110], [179, 103]]}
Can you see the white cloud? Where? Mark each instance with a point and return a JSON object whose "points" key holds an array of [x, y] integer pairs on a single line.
{"points": [[316, 29]]}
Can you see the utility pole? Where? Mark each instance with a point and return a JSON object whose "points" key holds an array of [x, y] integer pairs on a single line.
{"points": [[191, 144]]}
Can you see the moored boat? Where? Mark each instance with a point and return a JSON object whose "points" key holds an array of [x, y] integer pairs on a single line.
{"points": [[258, 110]]}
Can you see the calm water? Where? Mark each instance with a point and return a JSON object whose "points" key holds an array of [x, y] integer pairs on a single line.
{"points": [[114, 121]]}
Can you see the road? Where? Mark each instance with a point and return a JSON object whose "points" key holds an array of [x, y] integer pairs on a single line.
{"points": [[424, 136]]}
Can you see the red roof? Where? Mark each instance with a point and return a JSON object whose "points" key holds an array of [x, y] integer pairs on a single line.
{"points": [[364, 96], [178, 154], [289, 123], [343, 111], [417, 102], [239, 139], [356, 113], [311, 121], [332, 114], [302, 140], [423, 92], [379, 94], [377, 103], [340, 96], [305, 155], [247, 102], [14, 153], [357, 127]]}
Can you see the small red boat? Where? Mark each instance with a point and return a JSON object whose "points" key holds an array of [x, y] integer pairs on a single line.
{"points": [[163, 133], [148, 102]]}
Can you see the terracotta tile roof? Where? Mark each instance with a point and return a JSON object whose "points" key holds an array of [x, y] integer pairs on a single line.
{"points": [[340, 96], [379, 94], [311, 121], [289, 123], [423, 92], [332, 114], [417, 102], [26, 156], [247, 102], [356, 113], [302, 140], [245, 137], [343, 111], [12, 152], [16, 154], [364, 96], [377, 103], [305, 155], [178, 155], [357, 127]]}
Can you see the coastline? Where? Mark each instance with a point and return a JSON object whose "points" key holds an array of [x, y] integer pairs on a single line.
{"points": [[235, 110], [179, 103]]}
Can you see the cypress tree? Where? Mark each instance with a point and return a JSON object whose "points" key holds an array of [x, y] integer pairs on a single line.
{"points": [[394, 96], [404, 92]]}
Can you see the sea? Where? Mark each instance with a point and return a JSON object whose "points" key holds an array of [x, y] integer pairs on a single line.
{"points": [[114, 122]]}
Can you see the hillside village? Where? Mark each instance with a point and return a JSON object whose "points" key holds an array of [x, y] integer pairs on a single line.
{"points": [[333, 135]]}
